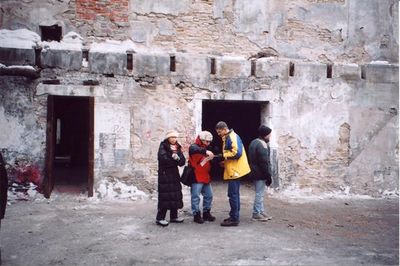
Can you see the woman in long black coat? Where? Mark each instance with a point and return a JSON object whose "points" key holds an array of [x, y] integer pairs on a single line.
{"points": [[170, 156]]}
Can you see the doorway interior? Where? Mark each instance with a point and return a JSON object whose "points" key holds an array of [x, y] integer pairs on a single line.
{"points": [[244, 117], [69, 145]]}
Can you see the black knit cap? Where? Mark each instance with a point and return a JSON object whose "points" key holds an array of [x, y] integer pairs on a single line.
{"points": [[264, 131]]}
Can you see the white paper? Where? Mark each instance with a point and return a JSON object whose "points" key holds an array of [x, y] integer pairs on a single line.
{"points": [[205, 160]]}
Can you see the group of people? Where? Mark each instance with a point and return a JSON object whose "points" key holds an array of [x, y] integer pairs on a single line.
{"points": [[233, 159]]}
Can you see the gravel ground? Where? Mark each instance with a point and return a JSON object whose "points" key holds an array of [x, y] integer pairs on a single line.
{"points": [[75, 230]]}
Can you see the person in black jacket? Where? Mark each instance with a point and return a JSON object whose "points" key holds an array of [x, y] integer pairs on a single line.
{"points": [[3, 190], [260, 170], [170, 156]]}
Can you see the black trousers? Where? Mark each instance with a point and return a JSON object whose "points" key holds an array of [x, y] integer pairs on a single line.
{"points": [[173, 213]]}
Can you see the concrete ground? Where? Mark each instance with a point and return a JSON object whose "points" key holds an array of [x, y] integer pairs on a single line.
{"points": [[74, 230]]}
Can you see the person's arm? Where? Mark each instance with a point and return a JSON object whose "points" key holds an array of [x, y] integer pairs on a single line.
{"points": [[233, 148], [263, 159], [182, 159], [165, 157], [196, 149]]}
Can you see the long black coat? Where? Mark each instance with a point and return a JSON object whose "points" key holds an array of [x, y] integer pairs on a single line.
{"points": [[169, 185], [3, 187], [259, 161]]}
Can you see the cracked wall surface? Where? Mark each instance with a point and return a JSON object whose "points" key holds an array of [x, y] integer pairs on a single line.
{"points": [[361, 31], [336, 134], [330, 134]]}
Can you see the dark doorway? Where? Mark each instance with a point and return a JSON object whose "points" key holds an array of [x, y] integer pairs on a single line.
{"points": [[70, 145], [243, 117]]}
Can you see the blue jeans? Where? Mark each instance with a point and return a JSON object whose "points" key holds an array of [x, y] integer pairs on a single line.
{"points": [[258, 206], [234, 199], [206, 191]]}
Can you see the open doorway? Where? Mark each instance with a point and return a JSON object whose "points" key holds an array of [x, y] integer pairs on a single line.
{"points": [[244, 117], [69, 161]]}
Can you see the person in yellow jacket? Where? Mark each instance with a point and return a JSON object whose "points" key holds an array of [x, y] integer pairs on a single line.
{"points": [[235, 166]]}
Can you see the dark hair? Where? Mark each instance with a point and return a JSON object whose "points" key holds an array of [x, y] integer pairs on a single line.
{"points": [[264, 131], [221, 125]]}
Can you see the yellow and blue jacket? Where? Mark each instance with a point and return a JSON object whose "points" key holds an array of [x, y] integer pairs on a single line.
{"points": [[235, 164]]}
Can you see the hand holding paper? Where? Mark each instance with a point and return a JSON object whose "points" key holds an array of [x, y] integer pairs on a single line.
{"points": [[205, 160], [210, 156]]}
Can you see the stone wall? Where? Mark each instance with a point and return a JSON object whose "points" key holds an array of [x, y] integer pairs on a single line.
{"points": [[355, 31], [113, 10], [330, 134], [328, 70], [23, 123], [337, 132]]}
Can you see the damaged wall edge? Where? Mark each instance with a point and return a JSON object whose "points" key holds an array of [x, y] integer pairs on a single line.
{"points": [[23, 71]]}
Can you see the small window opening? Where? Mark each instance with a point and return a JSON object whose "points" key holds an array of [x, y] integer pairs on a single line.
{"points": [[253, 68], [363, 74], [52, 81], [329, 71], [291, 69], [85, 57], [38, 60], [85, 54], [172, 63], [51, 33], [213, 67], [90, 82], [129, 61]]}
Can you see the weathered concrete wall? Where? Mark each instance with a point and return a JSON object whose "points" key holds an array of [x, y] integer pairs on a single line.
{"points": [[339, 133], [321, 30], [23, 125], [329, 134], [131, 119]]}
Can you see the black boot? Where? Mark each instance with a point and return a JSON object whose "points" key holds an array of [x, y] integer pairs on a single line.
{"points": [[208, 217], [197, 218]]}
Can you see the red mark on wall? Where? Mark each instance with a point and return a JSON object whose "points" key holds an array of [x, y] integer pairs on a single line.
{"points": [[26, 174]]}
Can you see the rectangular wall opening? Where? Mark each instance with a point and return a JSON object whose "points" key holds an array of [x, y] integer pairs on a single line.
{"points": [[71, 125], [85, 55], [172, 63], [329, 71], [213, 69], [244, 117], [363, 74], [129, 61], [253, 68], [291, 69], [51, 33], [38, 60]]}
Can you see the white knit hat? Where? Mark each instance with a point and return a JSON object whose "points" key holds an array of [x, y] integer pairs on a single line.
{"points": [[205, 135], [171, 133]]}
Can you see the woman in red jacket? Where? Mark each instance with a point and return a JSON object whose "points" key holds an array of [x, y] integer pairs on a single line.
{"points": [[199, 158]]}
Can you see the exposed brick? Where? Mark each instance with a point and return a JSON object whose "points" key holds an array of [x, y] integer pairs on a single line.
{"points": [[114, 10]]}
